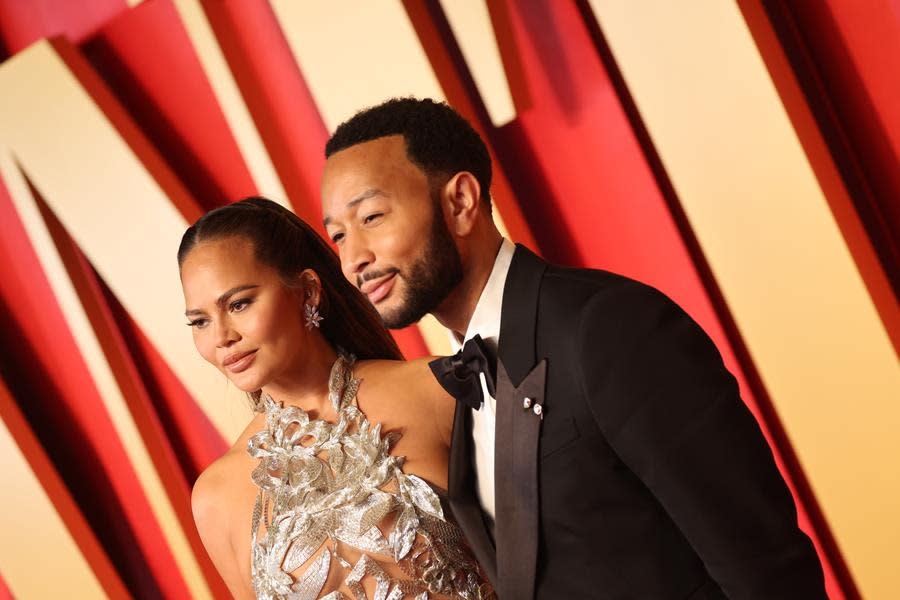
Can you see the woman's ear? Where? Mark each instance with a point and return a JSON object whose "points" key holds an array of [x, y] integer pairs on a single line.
{"points": [[311, 286], [461, 199]]}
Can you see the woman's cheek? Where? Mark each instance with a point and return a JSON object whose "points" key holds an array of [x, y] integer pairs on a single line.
{"points": [[205, 347], [269, 323]]}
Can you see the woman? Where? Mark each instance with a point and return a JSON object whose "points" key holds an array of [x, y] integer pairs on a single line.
{"points": [[324, 494]]}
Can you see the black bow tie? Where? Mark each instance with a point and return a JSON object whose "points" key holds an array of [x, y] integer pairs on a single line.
{"points": [[458, 374]]}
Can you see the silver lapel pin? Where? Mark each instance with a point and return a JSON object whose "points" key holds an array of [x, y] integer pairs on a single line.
{"points": [[534, 406]]}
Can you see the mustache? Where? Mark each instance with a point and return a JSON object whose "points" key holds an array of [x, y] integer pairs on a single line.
{"points": [[370, 275]]}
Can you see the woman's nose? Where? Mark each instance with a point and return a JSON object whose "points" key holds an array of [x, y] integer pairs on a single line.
{"points": [[226, 334]]}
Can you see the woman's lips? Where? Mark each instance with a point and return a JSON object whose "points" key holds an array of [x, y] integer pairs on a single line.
{"points": [[239, 362], [381, 290]]}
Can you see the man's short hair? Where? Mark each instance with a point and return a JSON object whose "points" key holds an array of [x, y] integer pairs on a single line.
{"points": [[438, 140]]}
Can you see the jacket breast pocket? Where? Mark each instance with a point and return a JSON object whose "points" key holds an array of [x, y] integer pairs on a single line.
{"points": [[557, 435]]}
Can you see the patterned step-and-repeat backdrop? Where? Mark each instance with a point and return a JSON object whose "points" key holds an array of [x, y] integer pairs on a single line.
{"points": [[740, 156]]}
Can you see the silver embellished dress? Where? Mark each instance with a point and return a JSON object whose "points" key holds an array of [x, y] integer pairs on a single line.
{"points": [[321, 483]]}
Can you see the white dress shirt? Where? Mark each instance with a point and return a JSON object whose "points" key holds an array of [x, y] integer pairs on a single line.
{"points": [[485, 322]]}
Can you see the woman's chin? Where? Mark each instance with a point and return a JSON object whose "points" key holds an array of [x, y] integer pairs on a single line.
{"points": [[247, 384]]}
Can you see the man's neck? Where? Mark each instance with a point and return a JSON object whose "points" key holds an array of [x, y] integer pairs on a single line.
{"points": [[455, 312]]}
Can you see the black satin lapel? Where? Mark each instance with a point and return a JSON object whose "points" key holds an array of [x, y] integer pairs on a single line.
{"points": [[518, 317], [516, 481], [460, 467], [461, 493]]}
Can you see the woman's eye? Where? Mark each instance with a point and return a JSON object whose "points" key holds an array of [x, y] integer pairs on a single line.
{"points": [[370, 218], [198, 323], [337, 237], [239, 305]]}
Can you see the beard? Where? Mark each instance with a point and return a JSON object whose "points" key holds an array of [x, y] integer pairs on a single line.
{"points": [[430, 279]]}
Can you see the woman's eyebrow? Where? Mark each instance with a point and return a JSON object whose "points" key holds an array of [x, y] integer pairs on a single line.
{"points": [[221, 300]]}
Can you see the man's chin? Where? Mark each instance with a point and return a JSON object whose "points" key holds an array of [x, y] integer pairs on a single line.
{"points": [[398, 317], [391, 308]]}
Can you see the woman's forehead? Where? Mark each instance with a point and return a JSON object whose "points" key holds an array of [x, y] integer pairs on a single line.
{"points": [[222, 251], [215, 264]]}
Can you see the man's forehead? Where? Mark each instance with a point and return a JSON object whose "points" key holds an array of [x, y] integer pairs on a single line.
{"points": [[368, 170], [387, 149], [346, 180]]}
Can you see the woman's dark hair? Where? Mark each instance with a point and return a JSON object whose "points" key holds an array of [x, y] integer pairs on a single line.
{"points": [[438, 139], [283, 241]]}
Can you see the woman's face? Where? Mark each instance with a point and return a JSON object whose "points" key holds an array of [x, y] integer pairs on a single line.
{"points": [[245, 321]]}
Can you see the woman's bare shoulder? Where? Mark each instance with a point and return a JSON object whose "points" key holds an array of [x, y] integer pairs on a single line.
{"points": [[400, 382], [405, 392], [222, 501], [220, 481], [211, 488], [390, 372]]}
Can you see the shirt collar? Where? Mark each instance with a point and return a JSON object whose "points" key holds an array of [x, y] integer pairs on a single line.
{"points": [[485, 319]]}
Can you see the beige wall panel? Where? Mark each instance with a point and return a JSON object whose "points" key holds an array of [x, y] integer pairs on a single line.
{"points": [[355, 53], [230, 100], [113, 208], [38, 557], [776, 251], [472, 28], [89, 347]]}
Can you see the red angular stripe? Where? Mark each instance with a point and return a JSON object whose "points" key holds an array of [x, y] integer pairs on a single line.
{"points": [[71, 421]]}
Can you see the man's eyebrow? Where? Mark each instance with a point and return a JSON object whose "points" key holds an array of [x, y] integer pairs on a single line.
{"points": [[221, 300], [369, 193]]}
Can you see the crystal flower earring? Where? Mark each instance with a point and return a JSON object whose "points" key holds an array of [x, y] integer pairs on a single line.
{"points": [[312, 316]]}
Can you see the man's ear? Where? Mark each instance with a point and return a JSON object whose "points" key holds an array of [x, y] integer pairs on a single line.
{"points": [[461, 200]]}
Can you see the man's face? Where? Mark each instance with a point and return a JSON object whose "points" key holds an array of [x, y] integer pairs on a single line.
{"points": [[390, 233]]}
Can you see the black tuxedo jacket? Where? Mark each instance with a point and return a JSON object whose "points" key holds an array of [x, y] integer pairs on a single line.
{"points": [[644, 476]]}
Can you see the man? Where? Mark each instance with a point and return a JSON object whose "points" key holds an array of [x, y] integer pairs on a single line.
{"points": [[612, 457]]}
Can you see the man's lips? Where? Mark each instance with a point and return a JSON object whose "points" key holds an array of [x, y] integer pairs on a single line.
{"points": [[376, 289], [239, 361]]}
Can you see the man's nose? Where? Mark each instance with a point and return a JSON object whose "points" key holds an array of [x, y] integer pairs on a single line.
{"points": [[355, 257]]}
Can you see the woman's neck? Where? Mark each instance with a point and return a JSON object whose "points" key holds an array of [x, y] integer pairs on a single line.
{"points": [[306, 385]]}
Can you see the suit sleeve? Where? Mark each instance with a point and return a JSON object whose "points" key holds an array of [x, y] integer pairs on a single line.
{"points": [[673, 414]]}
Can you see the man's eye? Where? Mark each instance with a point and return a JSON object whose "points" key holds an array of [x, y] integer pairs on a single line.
{"points": [[370, 218], [198, 323]]}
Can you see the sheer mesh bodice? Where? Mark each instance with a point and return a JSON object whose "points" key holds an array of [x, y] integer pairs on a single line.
{"points": [[321, 483]]}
